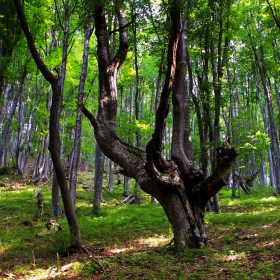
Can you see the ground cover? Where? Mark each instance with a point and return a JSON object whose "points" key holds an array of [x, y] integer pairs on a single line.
{"points": [[133, 241]]}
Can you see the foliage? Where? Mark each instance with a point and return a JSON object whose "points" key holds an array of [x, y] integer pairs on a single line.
{"points": [[243, 114]]}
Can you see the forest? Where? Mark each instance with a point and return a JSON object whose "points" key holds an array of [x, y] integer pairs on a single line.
{"points": [[139, 139]]}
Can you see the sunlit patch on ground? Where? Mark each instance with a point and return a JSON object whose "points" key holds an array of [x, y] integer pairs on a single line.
{"points": [[154, 241], [233, 256], [121, 250], [150, 242], [271, 198]]}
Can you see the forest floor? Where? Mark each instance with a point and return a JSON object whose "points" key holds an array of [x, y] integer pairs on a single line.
{"points": [[133, 241]]}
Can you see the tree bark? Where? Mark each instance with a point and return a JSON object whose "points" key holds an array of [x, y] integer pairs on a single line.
{"points": [[98, 180], [260, 63], [12, 112], [111, 176], [54, 140], [179, 187], [78, 128]]}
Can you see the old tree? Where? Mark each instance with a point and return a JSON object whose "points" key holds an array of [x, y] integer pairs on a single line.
{"points": [[177, 184], [179, 187]]}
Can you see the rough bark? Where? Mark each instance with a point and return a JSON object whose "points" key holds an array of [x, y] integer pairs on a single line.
{"points": [[177, 185]]}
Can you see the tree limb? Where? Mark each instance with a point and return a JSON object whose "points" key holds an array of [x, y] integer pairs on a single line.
{"points": [[225, 157], [160, 170], [31, 43]]}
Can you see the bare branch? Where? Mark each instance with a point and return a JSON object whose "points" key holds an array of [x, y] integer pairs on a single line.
{"points": [[122, 27], [160, 170]]}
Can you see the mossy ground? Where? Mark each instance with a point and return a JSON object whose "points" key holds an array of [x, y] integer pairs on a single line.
{"points": [[132, 241]]}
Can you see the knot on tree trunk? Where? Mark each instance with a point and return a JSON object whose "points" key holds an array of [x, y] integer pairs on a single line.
{"points": [[164, 172]]}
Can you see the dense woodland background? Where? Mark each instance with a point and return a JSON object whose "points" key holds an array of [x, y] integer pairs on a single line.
{"points": [[232, 76], [229, 55], [239, 38]]}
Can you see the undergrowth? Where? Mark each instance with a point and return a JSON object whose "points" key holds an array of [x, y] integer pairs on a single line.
{"points": [[133, 241]]}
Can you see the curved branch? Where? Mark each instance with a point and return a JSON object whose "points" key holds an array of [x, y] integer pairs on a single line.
{"points": [[50, 77], [113, 147], [225, 157], [123, 47], [156, 165]]}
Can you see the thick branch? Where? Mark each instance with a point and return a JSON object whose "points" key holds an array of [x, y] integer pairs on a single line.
{"points": [[115, 148], [163, 107], [225, 157], [179, 106], [122, 50], [156, 165], [88, 115]]}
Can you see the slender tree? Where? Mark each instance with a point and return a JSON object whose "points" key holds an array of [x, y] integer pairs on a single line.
{"points": [[78, 128], [54, 140]]}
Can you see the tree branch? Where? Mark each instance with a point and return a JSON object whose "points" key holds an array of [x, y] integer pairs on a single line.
{"points": [[225, 157], [50, 77], [160, 170], [274, 15], [122, 27]]}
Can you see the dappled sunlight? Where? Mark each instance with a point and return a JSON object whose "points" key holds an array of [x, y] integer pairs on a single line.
{"points": [[268, 244], [234, 202], [271, 198], [124, 238], [121, 250], [52, 272], [142, 243], [233, 256], [153, 241]]}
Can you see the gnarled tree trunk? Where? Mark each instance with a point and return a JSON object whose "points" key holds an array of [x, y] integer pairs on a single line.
{"points": [[179, 187]]}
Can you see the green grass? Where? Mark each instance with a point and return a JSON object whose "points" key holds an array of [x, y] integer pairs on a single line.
{"points": [[131, 241]]}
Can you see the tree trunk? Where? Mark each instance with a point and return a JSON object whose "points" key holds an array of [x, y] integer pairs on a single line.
{"points": [[260, 63], [111, 176], [126, 186], [178, 186], [3, 108], [41, 159], [78, 128], [54, 141], [56, 208], [98, 180], [12, 112]]}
